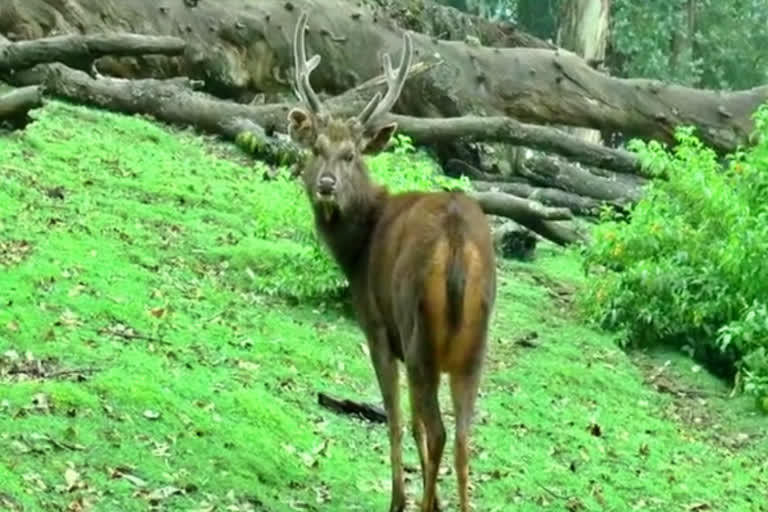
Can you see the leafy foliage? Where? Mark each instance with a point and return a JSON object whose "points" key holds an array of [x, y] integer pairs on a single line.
{"points": [[491, 9], [689, 267], [703, 43]]}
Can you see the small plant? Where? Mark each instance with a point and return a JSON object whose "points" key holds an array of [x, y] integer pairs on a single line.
{"points": [[406, 168], [689, 268]]}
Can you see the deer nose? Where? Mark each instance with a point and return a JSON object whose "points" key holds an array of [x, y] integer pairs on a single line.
{"points": [[326, 184]]}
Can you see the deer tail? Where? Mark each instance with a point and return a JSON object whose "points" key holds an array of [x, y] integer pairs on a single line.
{"points": [[455, 276]]}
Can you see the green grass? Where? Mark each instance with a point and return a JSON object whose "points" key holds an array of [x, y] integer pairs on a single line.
{"points": [[130, 252]]}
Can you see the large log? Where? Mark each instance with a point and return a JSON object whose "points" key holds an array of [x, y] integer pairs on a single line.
{"points": [[175, 101], [272, 117], [79, 51], [547, 171], [15, 106], [242, 48], [577, 204], [505, 129], [530, 214]]}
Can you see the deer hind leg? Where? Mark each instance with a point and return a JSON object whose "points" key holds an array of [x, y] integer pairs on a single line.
{"points": [[385, 366], [464, 387], [427, 423]]}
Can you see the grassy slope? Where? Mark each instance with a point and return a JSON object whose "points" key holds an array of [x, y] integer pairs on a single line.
{"points": [[117, 278]]}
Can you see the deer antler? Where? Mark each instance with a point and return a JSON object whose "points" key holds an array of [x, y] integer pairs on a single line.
{"points": [[395, 80], [303, 67]]}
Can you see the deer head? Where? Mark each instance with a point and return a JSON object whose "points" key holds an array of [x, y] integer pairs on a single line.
{"points": [[335, 176]]}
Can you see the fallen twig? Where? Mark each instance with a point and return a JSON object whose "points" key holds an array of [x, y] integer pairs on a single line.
{"points": [[368, 411]]}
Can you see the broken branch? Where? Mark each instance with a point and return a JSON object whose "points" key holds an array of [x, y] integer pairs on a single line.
{"points": [[368, 411], [79, 51]]}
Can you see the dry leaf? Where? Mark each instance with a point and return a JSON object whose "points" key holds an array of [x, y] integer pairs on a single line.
{"points": [[69, 319], [151, 415], [247, 365], [72, 479], [163, 493]]}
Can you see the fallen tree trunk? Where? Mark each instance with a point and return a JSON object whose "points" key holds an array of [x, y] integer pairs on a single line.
{"points": [[513, 241], [245, 48], [505, 129], [15, 106], [531, 214], [551, 172], [210, 113], [78, 51], [579, 205], [176, 102]]}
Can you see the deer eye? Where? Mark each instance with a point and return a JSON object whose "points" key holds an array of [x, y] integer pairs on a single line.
{"points": [[348, 156]]}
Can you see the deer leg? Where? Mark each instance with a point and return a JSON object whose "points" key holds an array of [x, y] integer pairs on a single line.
{"points": [[464, 392], [385, 366], [428, 429]]}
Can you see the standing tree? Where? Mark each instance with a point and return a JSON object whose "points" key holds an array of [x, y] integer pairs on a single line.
{"points": [[583, 29]]}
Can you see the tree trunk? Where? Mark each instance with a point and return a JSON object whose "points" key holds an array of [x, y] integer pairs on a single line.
{"points": [[80, 51], [15, 105], [584, 31], [239, 47], [579, 205]]}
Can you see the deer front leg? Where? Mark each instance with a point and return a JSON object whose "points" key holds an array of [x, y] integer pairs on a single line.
{"points": [[385, 366]]}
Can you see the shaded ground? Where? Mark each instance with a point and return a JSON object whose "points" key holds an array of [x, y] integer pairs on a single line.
{"points": [[137, 372]]}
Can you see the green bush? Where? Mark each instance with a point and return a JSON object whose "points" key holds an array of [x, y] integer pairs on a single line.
{"points": [[690, 267], [284, 256]]}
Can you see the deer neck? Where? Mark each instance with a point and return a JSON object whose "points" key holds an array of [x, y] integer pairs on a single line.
{"points": [[348, 234]]}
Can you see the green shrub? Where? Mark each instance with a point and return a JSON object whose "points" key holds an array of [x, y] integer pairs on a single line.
{"points": [[284, 256], [690, 268]]}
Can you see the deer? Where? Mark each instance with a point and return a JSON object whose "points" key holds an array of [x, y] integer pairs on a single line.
{"points": [[420, 267]]}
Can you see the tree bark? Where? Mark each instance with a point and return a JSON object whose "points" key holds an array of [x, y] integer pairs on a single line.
{"points": [[577, 204], [530, 214], [505, 129], [583, 29], [514, 241], [553, 172], [245, 48], [79, 52], [15, 106]]}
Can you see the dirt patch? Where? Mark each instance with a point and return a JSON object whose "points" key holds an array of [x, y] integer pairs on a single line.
{"points": [[13, 252], [694, 408], [562, 294], [16, 368]]}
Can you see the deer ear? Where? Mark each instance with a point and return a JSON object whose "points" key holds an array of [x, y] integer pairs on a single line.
{"points": [[300, 126], [379, 139]]}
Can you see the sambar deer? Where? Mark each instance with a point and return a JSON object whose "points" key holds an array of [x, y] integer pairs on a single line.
{"points": [[421, 270]]}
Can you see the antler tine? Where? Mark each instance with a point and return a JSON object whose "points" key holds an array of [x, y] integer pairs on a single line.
{"points": [[303, 67], [395, 80]]}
